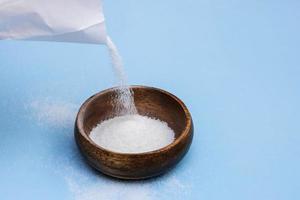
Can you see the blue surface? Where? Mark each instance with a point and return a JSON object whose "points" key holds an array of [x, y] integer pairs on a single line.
{"points": [[235, 64]]}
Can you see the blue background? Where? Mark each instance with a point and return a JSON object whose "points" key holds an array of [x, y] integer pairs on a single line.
{"points": [[235, 64]]}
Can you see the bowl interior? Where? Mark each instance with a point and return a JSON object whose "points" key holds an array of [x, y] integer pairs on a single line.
{"points": [[149, 101]]}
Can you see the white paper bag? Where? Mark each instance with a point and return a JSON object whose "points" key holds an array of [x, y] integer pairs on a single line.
{"points": [[53, 20]]}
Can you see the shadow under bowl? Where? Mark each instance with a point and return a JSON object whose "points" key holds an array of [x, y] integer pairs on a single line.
{"points": [[149, 101]]}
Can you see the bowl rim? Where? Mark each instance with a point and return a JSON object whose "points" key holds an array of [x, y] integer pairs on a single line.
{"points": [[184, 133]]}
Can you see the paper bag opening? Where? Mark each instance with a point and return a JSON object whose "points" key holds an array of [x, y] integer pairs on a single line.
{"points": [[56, 20]]}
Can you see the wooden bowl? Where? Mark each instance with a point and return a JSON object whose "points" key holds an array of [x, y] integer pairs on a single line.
{"points": [[152, 102]]}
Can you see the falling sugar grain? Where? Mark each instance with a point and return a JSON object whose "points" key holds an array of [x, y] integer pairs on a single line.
{"points": [[124, 102]]}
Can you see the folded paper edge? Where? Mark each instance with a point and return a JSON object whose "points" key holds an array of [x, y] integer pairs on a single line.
{"points": [[93, 34]]}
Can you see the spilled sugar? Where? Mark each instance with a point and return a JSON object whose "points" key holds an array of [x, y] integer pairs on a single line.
{"points": [[102, 188], [98, 187], [124, 102], [132, 134], [52, 112]]}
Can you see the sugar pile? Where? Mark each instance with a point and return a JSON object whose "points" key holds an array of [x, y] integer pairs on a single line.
{"points": [[132, 134], [124, 102]]}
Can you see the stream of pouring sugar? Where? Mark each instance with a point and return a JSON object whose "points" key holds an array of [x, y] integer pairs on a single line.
{"points": [[124, 100]]}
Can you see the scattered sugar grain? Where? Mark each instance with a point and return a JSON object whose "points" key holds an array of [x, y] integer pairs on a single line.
{"points": [[132, 134], [52, 112]]}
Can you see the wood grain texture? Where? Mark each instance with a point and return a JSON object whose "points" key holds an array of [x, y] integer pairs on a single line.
{"points": [[152, 102]]}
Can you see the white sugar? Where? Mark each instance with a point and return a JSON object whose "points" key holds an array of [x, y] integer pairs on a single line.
{"points": [[52, 112], [124, 102], [132, 134]]}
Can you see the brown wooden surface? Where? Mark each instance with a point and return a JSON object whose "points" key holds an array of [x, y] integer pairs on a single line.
{"points": [[151, 102]]}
